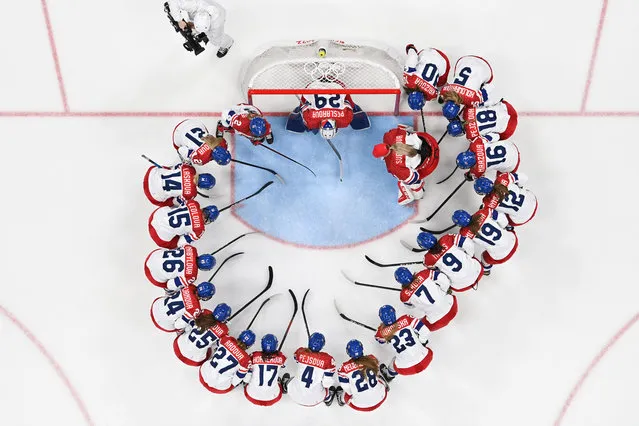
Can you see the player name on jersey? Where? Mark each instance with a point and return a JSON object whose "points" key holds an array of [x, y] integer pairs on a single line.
{"points": [[392, 329]]}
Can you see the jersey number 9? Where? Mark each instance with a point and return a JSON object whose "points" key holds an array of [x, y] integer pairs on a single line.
{"points": [[455, 264]]}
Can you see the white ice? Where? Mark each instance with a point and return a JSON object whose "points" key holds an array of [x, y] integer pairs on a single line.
{"points": [[74, 218]]}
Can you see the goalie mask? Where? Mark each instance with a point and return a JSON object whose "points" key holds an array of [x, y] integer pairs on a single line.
{"points": [[328, 129]]}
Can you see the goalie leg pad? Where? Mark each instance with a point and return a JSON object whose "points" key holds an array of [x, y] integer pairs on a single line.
{"points": [[360, 120], [295, 123], [417, 189], [405, 195]]}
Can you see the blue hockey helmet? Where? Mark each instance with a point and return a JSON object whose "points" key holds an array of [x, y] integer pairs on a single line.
{"points": [[206, 262], [222, 312], [257, 125], [483, 186], [466, 160], [451, 110], [269, 343], [205, 181], [221, 156], [403, 276], [462, 218], [205, 290], [426, 240], [316, 342], [355, 349], [210, 213], [387, 315], [455, 128], [416, 100], [247, 337]]}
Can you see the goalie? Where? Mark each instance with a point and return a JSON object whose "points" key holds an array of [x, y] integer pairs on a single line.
{"points": [[326, 114]]}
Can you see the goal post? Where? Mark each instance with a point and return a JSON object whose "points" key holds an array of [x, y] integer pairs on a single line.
{"points": [[296, 68]]}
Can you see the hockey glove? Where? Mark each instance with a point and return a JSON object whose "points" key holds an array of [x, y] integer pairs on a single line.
{"points": [[219, 131], [270, 139]]}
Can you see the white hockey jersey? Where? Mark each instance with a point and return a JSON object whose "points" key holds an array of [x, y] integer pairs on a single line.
{"points": [[493, 157], [499, 244], [472, 74], [407, 337], [226, 368], [193, 347], [426, 71], [163, 186], [174, 311], [172, 269], [263, 387], [315, 374], [173, 226], [496, 122], [363, 390], [428, 294], [456, 261], [520, 204]]}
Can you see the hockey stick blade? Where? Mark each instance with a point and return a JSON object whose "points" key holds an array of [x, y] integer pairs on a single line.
{"points": [[266, 185], [308, 332], [369, 285], [223, 262], [344, 317], [389, 265], [273, 172], [290, 323], [339, 157], [268, 286], [288, 158], [232, 241], [449, 176], [411, 248]]}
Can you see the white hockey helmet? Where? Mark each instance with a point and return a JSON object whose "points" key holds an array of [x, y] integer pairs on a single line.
{"points": [[328, 129], [189, 132], [202, 21]]}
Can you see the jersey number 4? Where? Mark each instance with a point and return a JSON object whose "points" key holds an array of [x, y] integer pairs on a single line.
{"points": [[168, 184]]}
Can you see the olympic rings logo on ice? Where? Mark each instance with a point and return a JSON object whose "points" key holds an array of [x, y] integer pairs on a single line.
{"points": [[324, 71]]}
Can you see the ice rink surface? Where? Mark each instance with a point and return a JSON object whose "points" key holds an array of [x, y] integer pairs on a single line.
{"points": [[551, 338]]}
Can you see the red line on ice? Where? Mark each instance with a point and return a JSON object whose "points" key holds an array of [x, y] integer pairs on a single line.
{"points": [[593, 57], [54, 53], [58, 369], [575, 390]]}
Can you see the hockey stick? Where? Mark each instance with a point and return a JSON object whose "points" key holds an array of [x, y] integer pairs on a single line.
{"points": [[352, 320], [449, 176], [222, 264], [308, 333], [152, 162], [232, 241], [424, 120], [248, 327], [288, 158], [250, 196], [442, 137], [273, 172], [369, 285], [389, 265], [268, 285], [339, 157], [440, 231], [411, 248], [441, 205], [290, 323]]}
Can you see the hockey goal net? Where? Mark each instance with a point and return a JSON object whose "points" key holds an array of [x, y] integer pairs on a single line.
{"points": [[298, 68]]}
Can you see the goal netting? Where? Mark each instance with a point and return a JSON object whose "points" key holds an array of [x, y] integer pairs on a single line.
{"points": [[297, 68]]}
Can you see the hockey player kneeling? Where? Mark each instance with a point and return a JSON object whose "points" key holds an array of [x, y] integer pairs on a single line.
{"points": [[326, 114], [410, 157], [174, 311], [488, 159], [195, 146], [509, 196], [176, 185], [173, 269], [408, 336], [172, 227], [194, 346], [263, 386], [248, 121], [471, 86], [314, 380], [425, 72], [453, 255], [427, 292], [229, 364], [490, 231], [361, 386], [495, 123]]}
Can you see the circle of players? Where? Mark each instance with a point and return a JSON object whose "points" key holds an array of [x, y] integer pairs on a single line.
{"points": [[453, 263]]}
